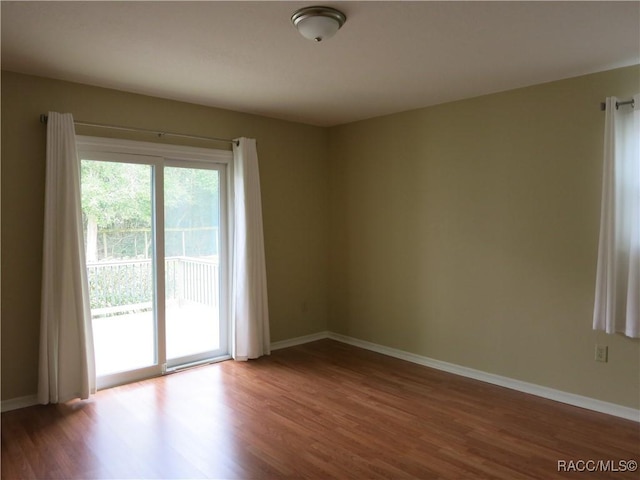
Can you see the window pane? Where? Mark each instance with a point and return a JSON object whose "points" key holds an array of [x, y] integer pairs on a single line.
{"points": [[116, 211], [192, 241]]}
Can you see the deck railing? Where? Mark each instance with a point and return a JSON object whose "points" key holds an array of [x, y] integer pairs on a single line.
{"points": [[192, 279], [127, 285]]}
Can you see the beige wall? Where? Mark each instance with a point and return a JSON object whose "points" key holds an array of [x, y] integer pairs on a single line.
{"points": [[465, 232], [468, 233], [295, 204]]}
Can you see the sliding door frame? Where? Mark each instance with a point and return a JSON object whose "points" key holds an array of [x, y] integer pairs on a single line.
{"points": [[159, 156], [224, 270]]}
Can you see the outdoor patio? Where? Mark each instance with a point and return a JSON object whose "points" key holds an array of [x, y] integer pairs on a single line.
{"points": [[123, 321], [124, 342]]}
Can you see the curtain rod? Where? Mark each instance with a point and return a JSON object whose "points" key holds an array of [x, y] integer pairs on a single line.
{"points": [[603, 106], [44, 118]]}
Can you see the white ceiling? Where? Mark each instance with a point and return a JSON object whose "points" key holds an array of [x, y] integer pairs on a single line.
{"points": [[388, 57]]}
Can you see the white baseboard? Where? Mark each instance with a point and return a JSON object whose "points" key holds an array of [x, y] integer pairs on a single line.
{"points": [[292, 342], [531, 388], [20, 402]]}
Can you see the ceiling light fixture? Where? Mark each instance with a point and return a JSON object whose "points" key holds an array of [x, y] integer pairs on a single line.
{"points": [[318, 23]]}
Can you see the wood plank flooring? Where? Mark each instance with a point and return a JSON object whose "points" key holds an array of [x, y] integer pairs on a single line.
{"points": [[320, 410]]}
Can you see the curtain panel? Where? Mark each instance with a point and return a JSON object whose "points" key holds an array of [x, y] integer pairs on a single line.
{"points": [[617, 296], [249, 306], [66, 364]]}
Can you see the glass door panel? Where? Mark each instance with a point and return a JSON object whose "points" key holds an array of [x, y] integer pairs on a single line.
{"points": [[155, 243], [117, 218], [192, 263]]}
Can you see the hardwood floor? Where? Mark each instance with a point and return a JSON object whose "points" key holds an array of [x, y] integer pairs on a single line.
{"points": [[320, 410]]}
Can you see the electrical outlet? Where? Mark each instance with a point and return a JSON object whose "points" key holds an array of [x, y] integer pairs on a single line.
{"points": [[602, 353]]}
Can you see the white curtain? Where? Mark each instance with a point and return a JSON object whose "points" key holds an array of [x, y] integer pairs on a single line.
{"points": [[250, 313], [617, 299], [66, 368]]}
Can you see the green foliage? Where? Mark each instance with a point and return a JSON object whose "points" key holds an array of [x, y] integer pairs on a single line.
{"points": [[116, 195], [117, 201], [120, 284], [192, 207]]}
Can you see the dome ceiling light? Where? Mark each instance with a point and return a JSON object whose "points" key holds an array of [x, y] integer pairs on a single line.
{"points": [[318, 23]]}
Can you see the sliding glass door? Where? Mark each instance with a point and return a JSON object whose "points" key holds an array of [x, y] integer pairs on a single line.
{"points": [[155, 240], [192, 223], [117, 209]]}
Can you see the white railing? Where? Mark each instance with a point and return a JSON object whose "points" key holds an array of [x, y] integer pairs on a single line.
{"points": [[118, 287], [193, 279]]}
